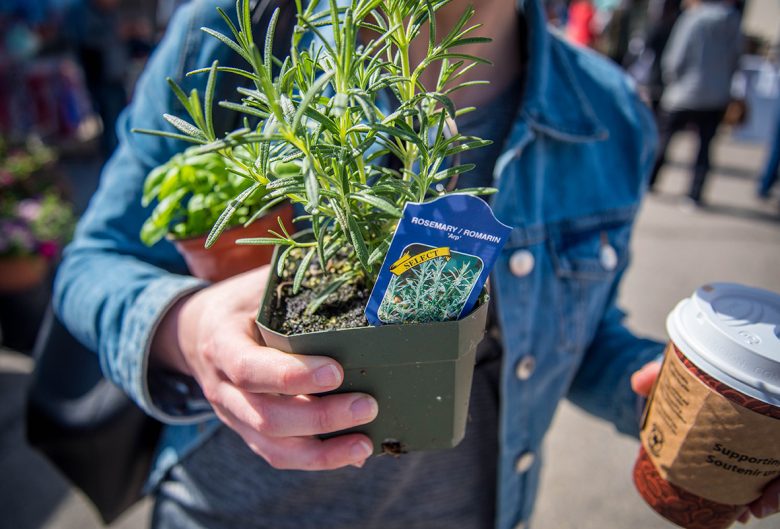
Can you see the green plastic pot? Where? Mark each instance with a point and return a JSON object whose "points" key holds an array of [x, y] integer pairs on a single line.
{"points": [[419, 373]]}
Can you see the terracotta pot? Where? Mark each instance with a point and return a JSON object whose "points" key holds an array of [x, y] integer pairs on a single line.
{"points": [[226, 258], [21, 273]]}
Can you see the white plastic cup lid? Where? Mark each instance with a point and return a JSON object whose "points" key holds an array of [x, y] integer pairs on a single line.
{"points": [[732, 333]]}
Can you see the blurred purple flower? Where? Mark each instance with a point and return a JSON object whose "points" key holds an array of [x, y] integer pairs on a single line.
{"points": [[6, 178], [29, 209], [16, 235]]}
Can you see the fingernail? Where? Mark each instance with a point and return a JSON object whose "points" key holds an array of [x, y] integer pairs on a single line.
{"points": [[359, 464], [327, 376], [363, 408], [360, 451]]}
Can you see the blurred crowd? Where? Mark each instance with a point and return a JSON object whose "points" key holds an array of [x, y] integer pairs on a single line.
{"points": [[68, 67]]}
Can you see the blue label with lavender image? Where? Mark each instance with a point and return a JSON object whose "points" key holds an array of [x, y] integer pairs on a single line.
{"points": [[441, 254]]}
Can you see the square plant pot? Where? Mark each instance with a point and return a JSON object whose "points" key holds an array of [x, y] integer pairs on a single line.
{"points": [[420, 373]]}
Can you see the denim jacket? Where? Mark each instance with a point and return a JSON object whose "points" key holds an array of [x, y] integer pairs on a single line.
{"points": [[570, 179]]}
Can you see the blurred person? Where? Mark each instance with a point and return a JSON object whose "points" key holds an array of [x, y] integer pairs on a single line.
{"points": [[92, 28], [771, 168], [698, 63], [612, 26], [646, 67], [580, 23], [177, 345]]}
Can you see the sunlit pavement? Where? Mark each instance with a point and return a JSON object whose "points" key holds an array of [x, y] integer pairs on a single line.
{"points": [[587, 478]]}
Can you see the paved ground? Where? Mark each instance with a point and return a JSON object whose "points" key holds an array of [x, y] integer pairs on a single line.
{"points": [[735, 239]]}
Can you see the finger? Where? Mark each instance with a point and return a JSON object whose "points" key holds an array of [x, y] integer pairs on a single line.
{"points": [[260, 369], [304, 453], [642, 381], [283, 416], [769, 502], [743, 515]]}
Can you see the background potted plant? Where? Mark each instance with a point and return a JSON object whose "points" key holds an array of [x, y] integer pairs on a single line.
{"points": [[36, 219], [325, 137], [190, 191]]}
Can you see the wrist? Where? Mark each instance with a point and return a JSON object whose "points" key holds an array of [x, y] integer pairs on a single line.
{"points": [[167, 346]]}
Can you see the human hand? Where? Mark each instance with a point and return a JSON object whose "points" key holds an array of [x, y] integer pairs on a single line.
{"points": [[769, 503], [265, 395], [642, 380]]}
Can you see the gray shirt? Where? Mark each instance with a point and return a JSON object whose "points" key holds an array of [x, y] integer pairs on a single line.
{"points": [[701, 57]]}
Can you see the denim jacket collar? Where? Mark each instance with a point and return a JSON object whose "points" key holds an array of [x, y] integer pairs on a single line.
{"points": [[554, 103]]}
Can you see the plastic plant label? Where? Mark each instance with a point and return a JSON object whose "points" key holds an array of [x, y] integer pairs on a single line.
{"points": [[441, 254]]}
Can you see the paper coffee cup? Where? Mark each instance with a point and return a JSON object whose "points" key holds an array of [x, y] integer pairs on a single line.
{"points": [[711, 430]]}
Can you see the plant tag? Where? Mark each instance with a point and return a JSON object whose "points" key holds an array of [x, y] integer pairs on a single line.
{"points": [[441, 254]]}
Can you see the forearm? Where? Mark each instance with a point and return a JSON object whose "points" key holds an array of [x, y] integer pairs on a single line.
{"points": [[166, 345], [114, 304], [603, 384]]}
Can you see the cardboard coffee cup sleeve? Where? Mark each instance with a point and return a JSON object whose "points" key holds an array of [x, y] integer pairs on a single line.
{"points": [[703, 442]]}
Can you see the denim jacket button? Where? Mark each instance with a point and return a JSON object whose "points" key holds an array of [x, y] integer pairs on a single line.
{"points": [[521, 263], [608, 257], [525, 367], [524, 462]]}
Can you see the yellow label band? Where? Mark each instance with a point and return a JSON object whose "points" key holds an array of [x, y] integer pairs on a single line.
{"points": [[406, 262]]}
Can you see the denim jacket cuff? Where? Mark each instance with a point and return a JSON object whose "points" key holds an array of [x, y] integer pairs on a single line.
{"points": [[170, 398]]}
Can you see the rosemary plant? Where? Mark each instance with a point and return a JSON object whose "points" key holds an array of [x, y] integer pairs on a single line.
{"points": [[432, 291], [318, 130]]}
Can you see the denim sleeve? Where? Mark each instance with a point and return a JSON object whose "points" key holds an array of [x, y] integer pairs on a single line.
{"points": [[602, 385], [111, 290]]}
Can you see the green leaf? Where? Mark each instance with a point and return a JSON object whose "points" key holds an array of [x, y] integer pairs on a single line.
{"points": [[378, 203], [152, 184], [321, 296], [303, 267], [180, 95], [156, 226], [474, 191], [471, 40], [225, 40], [453, 171], [446, 102], [185, 127], [208, 101], [379, 253], [171, 135], [341, 217], [312, 188], [358, 243], [269, 40], [306, 102], [263, 241], [322, 119], [224, 219], [283, 259], [244, 109]]}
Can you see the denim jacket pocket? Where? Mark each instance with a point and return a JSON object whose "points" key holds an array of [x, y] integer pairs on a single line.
{"points": [[587, 255]]}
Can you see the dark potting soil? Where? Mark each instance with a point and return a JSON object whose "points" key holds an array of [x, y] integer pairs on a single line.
{"points": [[341, 310]]}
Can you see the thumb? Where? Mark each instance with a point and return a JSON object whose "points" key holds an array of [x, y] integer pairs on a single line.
{"points": [[642, 381]]}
